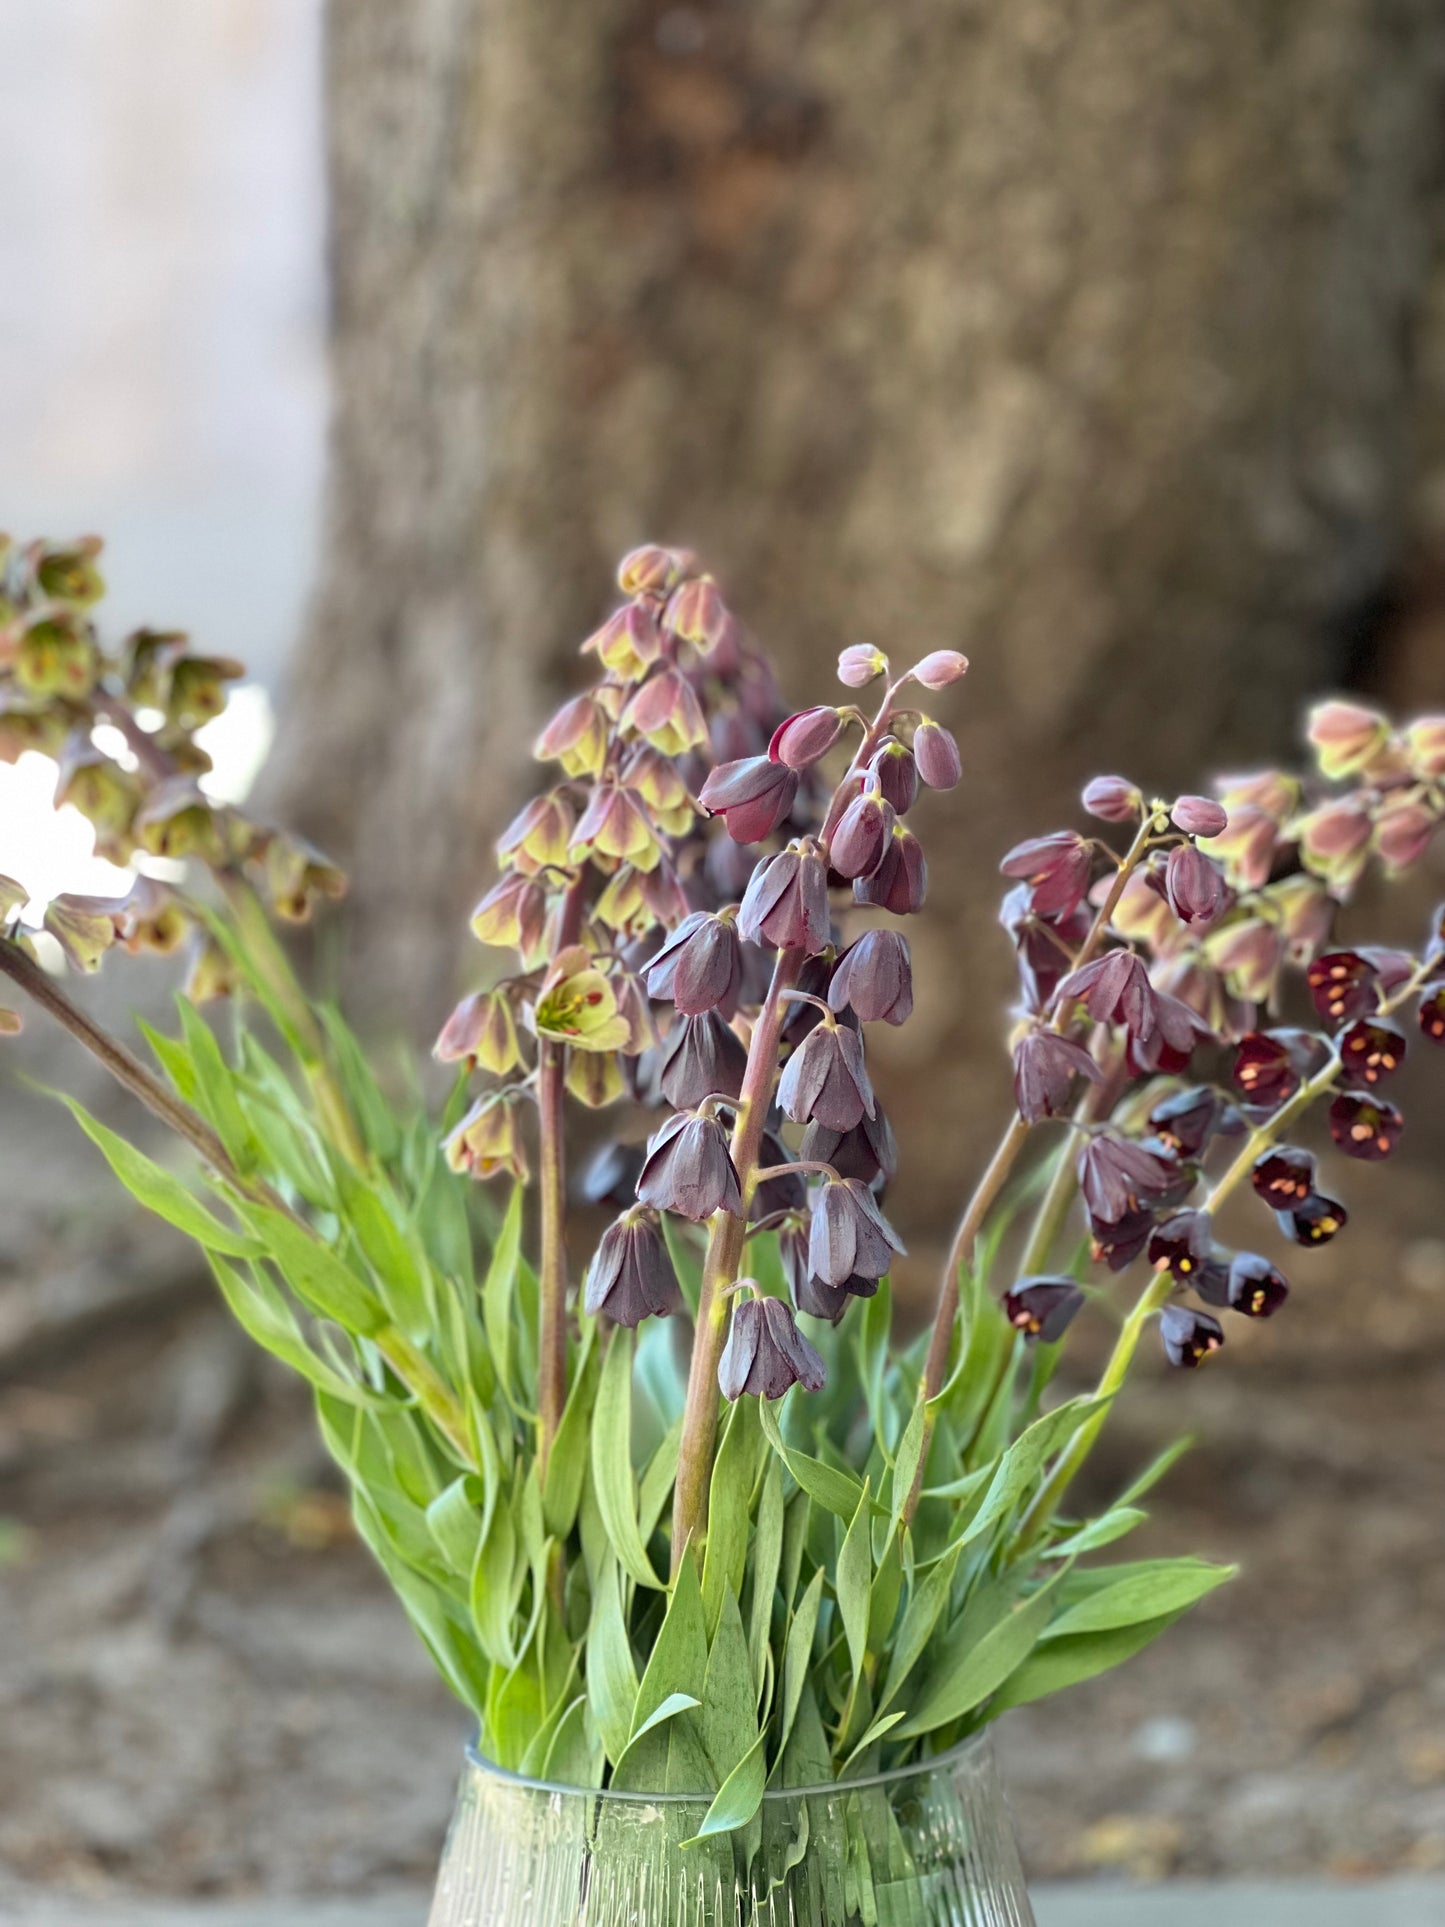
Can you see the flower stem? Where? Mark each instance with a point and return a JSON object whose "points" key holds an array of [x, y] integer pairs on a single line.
{"points": [[1098, 1101], [726, 1237]]}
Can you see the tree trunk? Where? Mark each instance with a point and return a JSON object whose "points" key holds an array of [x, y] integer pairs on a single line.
{"points": [[1078, 336]]}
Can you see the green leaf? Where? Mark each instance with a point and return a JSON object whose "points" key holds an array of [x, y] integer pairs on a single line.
{"points": [[1155, 1471], [739, 1797], [852, 1581], [686, 1260], [983, 1664], [679, 1657], [567, 1466], [874, 1733], [612, 1474], [1022, 1463], [161, 1192], [398, 1277], [1147, 1591], [729, 1717], [498, 1290], [611, 1675], [216, 1083], [314, 1272], [455, 1518], [927, 1604], [1057, 1663], [175, 1060], [734, 1474], [836, 1491], [571, 1760], [264, 1315], [798, 1656], [910, 1450], [496, 1579], [1099, 1532], [766, 1563], [626, 1768]]}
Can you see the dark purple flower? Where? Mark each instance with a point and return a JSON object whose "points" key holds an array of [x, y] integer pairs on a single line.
{"points": [[611, 1173], [936, 754], [752, 796], [1118, 1245], [1188, 1336], [868, 1152], [810, 1294], [900, 882], [688, 1169], [631, 1276], [1057, 869], [1119, 1177], [803, 738], [1177, 1033], [875, 978], [1180, 1244], [1313, 1221], [1365, 1127], [1264, 1069], [849, 1234], [1188, 1120], [1344, 986], [1045, 1066], [785, 906], [1114, 989], [1113, 800], [864, 832], [1256, 1288], [766, 1354], [1199, 816], [1210, 1282], [1284, 1177], [827, 1079], [1432, 1016], [1372, 1050], [1195, 886], [701, 1057], [1394, 967], [895, 772], [785, 1193], [1044, 945], [1043, 1307], [700, 966]]}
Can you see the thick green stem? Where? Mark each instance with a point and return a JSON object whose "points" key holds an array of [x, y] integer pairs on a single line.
{"points": [[726, 1237]]}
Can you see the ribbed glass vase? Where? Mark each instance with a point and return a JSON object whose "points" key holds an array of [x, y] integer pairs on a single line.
{"points": [[929, 1846]]}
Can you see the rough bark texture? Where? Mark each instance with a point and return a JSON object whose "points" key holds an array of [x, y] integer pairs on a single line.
{"points": [[1083, 337]]}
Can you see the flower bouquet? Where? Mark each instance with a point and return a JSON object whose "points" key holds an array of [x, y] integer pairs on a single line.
{"points": [[681, 1516]]}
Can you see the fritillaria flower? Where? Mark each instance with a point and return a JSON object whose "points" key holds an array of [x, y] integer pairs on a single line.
{"points": [[940, 668], [1045, 1066], [900, 882], [1372, 1050], [1365, 1127], [611, 1173], [826, 1079], [1404, 830], [629, 642], [862, 837], [868, 1152], [1248, 847], [689, 1170], [700, 966], [1264, 1069], [578, 1005], [1313, 1220], [785, 906], [1256, 1287], [487, 1143], [874, 978], [1114, 989], [1119, 1177], [1056, 868], [616, 825], [1284, 1177], [1347, 737], [631, 1276], [1188, 1120], [766, 1354], [1199, 816], [936, 754], [576, 737], [849, 1234], [752, 796], [894, 769], [1195, 886], [810, 1294], [1432, 1016], [84, 927], [1344, 986], [702, 1057], [803, 739], [860, 665], [481, 1031], [652, 570], [1189, 1336], [1117, 1245], [1248, 954], [1113, 799], [1043, 1308], [696, 613], [1180, 1244], [785, 1192], [539, 835]]}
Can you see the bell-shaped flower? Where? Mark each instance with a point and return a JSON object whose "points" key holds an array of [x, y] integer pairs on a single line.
{"points": [[1371, 1050], [894, 770], [900, 883], [689, 1169], [753, 796], [539, 836], [1195, 886], [1432, 1016], [696, 613], [1284, 1176], [616, 826], [936, 753], [1256, 1287], [874, 979], [631, 1275], [1189, 1336], [702, 1056], [1045, 1066], [700, 966], [666, 712], [1114, 989], [578, 1005], [810, 1294], [802, 739], [785, 906], [84, 927], [849, 1234], [1365, 1127], [1347, 737], [577, 737], [488, 1141], [629, 642], [513, 915], [1043, 1308], [1189, 1119], [1313, 1220], [868, 1152], [1119, 1177], [765, 1354], [864, 832], [1344, 985], [481, 1031], [827, 1079], [860, 664], [653, 570], [1057, 869], [1179, 1244]]}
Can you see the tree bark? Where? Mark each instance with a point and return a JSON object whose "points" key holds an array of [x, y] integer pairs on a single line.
{"points": [[1082, 337]]}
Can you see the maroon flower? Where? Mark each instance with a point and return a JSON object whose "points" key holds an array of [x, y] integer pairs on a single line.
{"points": [[701, 1057], [868, 1152], [1372, 1050], [1043, 1307], [802, 739], [631, 1276], [826, 1079], [864, 832], [1056, 868], [766, 1354], [785, 906], [1195, 886], [1284, 1177], [700, 966], [810, 1294], [936, 754], [1045, 1066], [1256, 1288], [1344, 986], [849, 1234], [1188, 1336], [1114, 989], [1118, 1245], [1044, 945], [1313, 1220], [1119, 1177], [1178, 1032], [1264, 1069], [688, 1169], [1210, 1282], [1188, 1120], [1113, 800], [895, 771], [752, 796], [900, 882], [1365, 1127], [1199, 816], [1432, 1016], [1180, 1244], [611, 1173], [875, 978]]}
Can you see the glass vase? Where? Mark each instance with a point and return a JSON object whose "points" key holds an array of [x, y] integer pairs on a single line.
{"points": [[927, 1846]]}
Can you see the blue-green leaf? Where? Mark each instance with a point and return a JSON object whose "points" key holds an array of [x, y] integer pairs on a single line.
{"points": [[613, 1476]]}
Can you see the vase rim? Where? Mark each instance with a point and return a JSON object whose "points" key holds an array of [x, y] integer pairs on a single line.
{"points": [[975, 1746]]}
